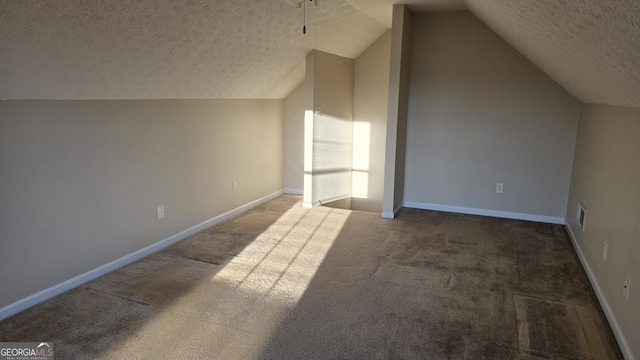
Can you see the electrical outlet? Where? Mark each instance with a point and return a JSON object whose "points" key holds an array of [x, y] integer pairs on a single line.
{"points": [[605, 247], [499, 188], [626, 287], [160, 210], [234, 186]]}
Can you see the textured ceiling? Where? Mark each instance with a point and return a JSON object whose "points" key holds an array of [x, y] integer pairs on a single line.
{"points": [[131, 49], [590, 47], [381, 10]]}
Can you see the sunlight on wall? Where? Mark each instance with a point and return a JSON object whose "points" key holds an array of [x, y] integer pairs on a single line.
{"points": [[361, 159], [329, 152], [307, 200], [336, 159]]}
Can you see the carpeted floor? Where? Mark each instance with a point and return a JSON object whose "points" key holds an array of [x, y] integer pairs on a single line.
{"points": [[284, 282]]}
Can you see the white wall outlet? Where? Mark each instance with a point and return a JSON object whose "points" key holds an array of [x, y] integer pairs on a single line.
{"points": [[234, 186], [626, 287], [160, 211], [605, 247], [499, 188], [318, 111]]}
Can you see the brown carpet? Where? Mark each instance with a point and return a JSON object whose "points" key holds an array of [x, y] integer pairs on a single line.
{"points": [[284, 282]]}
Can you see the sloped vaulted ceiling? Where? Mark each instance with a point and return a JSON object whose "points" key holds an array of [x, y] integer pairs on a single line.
{"points": [[131, 49], [590, 47]]}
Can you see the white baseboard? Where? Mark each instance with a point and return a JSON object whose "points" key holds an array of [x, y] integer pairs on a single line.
{"points": [[332, 199], [57, 289], [306, 204], [392, 215], [388, 215], [484, 212], [293, 191], [604, 304]]}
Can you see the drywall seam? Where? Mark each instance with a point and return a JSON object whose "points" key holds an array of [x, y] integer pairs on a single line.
{"points": [[293, 191], [604, 304], [76, 281], [486, 212]]}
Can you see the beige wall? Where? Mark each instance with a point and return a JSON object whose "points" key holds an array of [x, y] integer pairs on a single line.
{"points": [[480, 113], [371, 93], [333, 85], [294, 106], [606, 179], [80, 180], [329, 86], [399, 78]]}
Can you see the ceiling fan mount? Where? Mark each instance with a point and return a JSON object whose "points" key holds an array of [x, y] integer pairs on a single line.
{"points": [[298, 3]]}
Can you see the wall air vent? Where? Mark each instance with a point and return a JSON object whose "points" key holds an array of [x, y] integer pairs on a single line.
{"points": [[581, 215]]}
